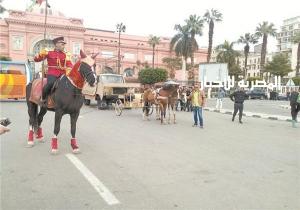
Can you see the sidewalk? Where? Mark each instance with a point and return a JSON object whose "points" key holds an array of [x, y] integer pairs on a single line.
{"points": [[251, 114]]}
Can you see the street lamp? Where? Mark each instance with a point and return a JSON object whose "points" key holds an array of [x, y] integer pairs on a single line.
{"points": [[120, 28]]}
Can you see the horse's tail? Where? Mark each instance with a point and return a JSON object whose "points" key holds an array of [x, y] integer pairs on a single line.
{"points": [[32, 108]]}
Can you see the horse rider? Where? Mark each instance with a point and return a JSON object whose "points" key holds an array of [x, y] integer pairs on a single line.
{"points": [[59, 63]]}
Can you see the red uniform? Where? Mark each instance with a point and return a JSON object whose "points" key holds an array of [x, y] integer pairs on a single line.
{"points": [[58, 62]]}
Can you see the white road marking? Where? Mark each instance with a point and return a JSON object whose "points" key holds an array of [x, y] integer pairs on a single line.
{"points": [[93, 180]]}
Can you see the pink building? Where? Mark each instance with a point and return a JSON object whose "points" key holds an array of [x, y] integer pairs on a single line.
{"points": [[22, 35]]}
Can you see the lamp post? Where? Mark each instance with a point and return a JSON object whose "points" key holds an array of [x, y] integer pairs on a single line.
{"points": [[120, 28]]}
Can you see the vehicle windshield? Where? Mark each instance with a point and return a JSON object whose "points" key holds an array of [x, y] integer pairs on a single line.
{"points": [[112, 79], [12, 68]]}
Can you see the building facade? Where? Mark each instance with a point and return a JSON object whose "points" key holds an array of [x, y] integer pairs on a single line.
{"points": [[289, 28], [22, 37]]}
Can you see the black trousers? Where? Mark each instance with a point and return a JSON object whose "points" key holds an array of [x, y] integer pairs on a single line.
{"points": [[295, 108], [238, 107], [50, 82]]}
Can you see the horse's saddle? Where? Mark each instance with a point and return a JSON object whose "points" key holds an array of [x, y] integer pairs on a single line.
{"points": [[37, 89]]}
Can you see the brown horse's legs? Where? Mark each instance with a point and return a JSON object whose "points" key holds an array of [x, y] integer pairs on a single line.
{"points": [[169, 111]]}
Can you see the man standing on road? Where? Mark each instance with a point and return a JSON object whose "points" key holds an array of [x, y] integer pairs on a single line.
{"points": [[295, 106], [238, 97], [198, 101], [220, 96]]}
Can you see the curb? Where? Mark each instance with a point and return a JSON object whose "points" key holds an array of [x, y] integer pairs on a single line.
{"points": [[250, 114]]}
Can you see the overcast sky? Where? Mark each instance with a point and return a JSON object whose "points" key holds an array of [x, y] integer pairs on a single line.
{"points": [[158, 17]]}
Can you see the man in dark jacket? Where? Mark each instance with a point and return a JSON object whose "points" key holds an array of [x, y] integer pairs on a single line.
{"points": [[238, 97], [295, 106]]}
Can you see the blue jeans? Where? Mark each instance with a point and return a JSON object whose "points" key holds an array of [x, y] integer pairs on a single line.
{"points": [[198, 114]]}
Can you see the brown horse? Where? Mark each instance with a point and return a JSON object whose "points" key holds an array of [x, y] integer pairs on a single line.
{"points": [[149, 99], [167, 98]]}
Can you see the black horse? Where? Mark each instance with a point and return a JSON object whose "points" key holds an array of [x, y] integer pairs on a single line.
{"points": [[67, 98]]}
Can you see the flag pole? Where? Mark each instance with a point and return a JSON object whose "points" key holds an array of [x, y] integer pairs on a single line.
{"points": [[44, 44]]}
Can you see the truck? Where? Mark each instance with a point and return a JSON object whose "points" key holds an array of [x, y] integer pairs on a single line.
{"points": [[109, 88], [14, 76]]}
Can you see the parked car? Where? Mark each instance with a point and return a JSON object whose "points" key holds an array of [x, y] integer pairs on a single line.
{"points": [[282, 97], [257, 94]]}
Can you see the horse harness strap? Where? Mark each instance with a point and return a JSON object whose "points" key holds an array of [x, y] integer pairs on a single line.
{"points": [[73, 83]]}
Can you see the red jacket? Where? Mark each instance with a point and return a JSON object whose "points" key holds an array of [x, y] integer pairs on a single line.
{"points": [[58, 62]]}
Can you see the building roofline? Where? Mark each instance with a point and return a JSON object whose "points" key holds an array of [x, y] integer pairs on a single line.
{"points": [[102, 30]]}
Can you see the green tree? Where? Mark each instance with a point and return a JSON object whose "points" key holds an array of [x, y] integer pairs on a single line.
{"points": [[279, 66], [153, 41], [211, 17], [264, 30], [296, 40], [180, 43], [195, 25], [296, 80], [247, 39], [226, 54], [173, 64], [151, 76]]}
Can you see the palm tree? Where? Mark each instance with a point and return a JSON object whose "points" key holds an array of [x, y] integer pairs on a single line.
{"points": [[153, 41], [247, 39], [172, 64], [211, 17], [195, 25], [296, 40], [180, 43], [264, 30], [228, 55]]}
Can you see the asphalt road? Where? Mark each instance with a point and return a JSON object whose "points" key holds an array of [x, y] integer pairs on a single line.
{"points": [[145, 165]]}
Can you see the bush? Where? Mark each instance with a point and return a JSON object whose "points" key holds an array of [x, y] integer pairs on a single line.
{"points": [[4, 58], [151, 76], [296, 80]]}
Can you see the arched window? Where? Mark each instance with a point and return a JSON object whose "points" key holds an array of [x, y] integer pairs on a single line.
{"points": [[128, 72], [41, 44], [108, 70]]}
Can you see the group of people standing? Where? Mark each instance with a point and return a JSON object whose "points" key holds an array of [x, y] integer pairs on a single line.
{"points": [[197, 98]]}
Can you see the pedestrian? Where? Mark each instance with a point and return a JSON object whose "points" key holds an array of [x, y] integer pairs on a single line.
{"points": [[295, 106], [198, 100], [188, 104], [238, 97], [220, 96], [59, 63]]}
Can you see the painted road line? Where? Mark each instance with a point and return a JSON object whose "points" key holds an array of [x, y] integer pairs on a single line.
{"points": [[93, 180]]}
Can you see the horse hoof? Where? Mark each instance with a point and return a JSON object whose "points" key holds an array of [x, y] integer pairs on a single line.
{"points": [[76, 151], [41, 140], [54, 152], [30, 144]]}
